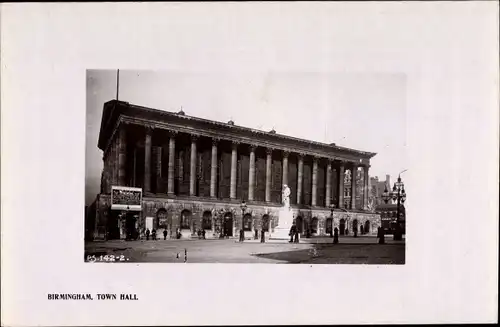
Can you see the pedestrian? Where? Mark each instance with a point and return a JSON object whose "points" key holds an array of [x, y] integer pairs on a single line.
{"points": [[242, 235], [335, 235], [203, 234], [356, 232], [165, 234], [153, 234], [296, 235], [262, 236], [292, 233], [147, 234], [256, 237], [362, 231], [380, 235]]}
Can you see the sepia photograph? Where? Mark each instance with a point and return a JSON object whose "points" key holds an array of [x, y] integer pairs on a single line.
{"points": [[289, 176], [249, 163]]}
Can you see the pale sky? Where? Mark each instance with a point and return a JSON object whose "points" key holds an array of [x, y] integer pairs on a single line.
{"points": [[361, 111]]}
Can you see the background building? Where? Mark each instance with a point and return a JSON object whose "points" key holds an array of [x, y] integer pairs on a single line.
{"points": [[196, 173], [377, 188]]}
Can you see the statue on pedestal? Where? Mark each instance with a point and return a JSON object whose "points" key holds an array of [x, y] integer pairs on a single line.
{"points": [[286, 196]]}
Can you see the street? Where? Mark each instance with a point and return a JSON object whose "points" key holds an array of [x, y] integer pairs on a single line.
{"points": [[350, 250]]}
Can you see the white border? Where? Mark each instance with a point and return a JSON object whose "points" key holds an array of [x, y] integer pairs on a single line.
{"points": [[449, 52]]}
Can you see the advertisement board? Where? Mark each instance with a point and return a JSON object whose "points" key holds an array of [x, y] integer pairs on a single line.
{"points": [[126, 198]]}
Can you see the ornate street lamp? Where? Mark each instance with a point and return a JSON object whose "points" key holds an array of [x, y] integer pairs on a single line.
{"points": [[243, 209], [220, 213], [398, 194], [332, 206]]}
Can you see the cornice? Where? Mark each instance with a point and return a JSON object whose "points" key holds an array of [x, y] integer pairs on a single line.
{"points": [[233, 138]]}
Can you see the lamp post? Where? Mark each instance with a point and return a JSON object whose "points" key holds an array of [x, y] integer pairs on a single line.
{"points": [[332, 206], [398, 194], [243, 209], [222, 223]]}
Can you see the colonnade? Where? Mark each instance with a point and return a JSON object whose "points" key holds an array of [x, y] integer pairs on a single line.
{"points": [[340, 164]]}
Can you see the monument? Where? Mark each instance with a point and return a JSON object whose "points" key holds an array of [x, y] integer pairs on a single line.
{"points": [[285, 218]]}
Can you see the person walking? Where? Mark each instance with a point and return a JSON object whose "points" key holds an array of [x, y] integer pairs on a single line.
{"points": [[203, 234], [262, 236], [153, 234], [147, 234], [292, 233], [165, 234], [381, 236], [296, 240], [335, 235], [242, 235]]}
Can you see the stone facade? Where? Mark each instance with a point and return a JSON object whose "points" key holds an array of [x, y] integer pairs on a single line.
{"points": [[315, 219], [196, 173]]}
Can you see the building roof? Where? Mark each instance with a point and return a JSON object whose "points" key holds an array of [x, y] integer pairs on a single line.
{"points": [[114, 109]]}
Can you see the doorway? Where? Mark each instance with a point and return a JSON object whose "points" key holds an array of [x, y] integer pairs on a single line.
{"points": [[367, 227], [130, 226], [228, 224], [113, 228], [342, 226], [329, 225]]}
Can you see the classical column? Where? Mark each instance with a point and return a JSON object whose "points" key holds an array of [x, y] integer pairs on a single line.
{"points": [[341, 184], [234, 165], [192, 171], [314, 181], [269, 152], [213, 168], [159, 151], [147, 160], [328, 191], [171, 163], [366, 191], [251, 173], [300, 173], [285, 167], [353, 186]]}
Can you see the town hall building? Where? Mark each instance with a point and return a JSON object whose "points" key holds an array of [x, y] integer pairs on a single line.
{"points": [[191, 174]]}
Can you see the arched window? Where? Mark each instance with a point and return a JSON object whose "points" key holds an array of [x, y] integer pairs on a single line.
{"points": [[314, 226], [185, 219], [247, 222], [207, 220], [367, 226]]}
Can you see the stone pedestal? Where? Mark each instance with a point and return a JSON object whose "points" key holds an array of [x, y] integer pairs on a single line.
{"points": [[285, 222]]}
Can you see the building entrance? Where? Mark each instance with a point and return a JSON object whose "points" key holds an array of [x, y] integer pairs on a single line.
{"points": [[342, 226], [113, 228], [130, 226], [228, 225]]}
